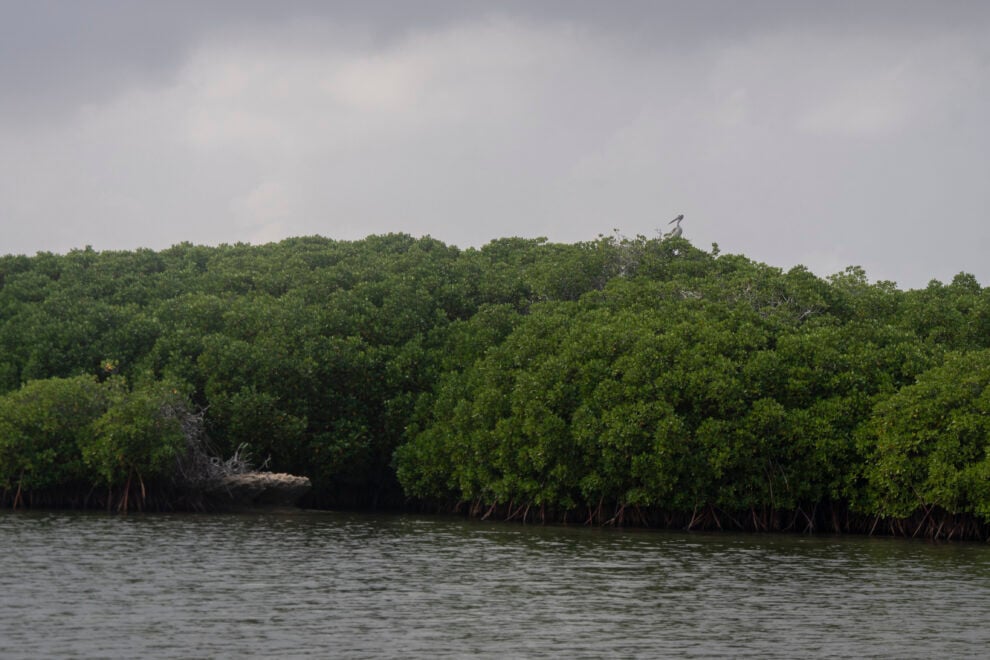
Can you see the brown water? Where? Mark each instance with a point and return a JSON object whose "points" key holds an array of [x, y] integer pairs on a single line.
{"points": [[300, 584]]}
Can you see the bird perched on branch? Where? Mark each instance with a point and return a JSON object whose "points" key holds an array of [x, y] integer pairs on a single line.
{"points": [[676, 231]]}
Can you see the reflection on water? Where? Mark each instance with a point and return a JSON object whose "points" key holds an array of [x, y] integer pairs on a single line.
{"points": [[325, 584]]}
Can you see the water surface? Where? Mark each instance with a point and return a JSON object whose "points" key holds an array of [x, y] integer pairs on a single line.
{"points": [[300, 584]]}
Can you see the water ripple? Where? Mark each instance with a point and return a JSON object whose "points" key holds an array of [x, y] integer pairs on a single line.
{"points": [[302, 585]]}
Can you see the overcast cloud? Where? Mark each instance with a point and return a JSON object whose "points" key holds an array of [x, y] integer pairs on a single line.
{"points": [[827, 134]]}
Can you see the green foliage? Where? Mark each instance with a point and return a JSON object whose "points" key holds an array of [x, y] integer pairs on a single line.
{"points": [[629, 371], [63, 432], [139, 433], [42, 426], [928, 444]]}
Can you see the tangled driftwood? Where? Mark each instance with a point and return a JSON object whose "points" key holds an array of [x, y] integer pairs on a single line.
{"points": [[234, 481]]}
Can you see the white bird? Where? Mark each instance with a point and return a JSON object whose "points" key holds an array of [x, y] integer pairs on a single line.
{"points": [[676, 231]]}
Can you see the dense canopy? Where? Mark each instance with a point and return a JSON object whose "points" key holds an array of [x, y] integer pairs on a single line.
{"points": [[624, 380]]}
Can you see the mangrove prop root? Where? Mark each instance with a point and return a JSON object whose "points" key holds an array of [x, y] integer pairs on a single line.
{"points": [[714, 515], [693, 517], [617, 518]]}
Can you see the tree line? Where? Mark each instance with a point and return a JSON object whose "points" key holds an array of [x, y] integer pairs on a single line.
{"points": [[615, 381]]}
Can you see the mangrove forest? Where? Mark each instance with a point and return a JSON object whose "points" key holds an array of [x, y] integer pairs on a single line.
{"points": [[620, 381]]}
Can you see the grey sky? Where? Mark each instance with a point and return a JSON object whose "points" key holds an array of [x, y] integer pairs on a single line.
{"points": [[826, 134]]}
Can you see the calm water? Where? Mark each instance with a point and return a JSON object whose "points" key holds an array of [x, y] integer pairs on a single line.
{"points": [[342, 585]]}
